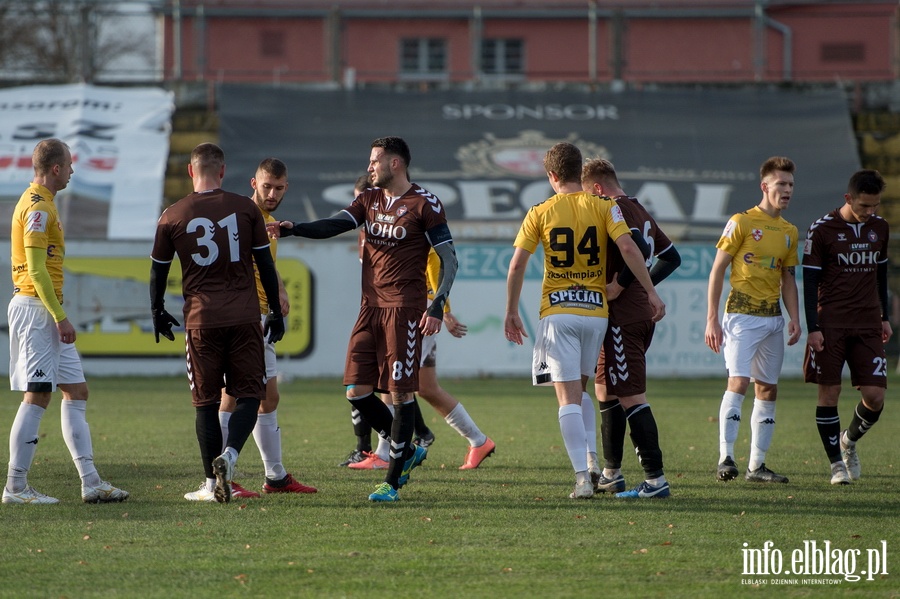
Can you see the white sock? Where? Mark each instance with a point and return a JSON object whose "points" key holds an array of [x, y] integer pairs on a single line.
{"points": [[729, 423], [383, 450], [267, 435], [210, 484], [462, 423], [77, 435], [571, 425], [231, 454], [23, 440], [762, 425], [224, 419], [589, 415]]}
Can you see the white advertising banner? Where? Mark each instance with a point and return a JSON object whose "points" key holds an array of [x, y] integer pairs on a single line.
{"points": [[120, 143]]}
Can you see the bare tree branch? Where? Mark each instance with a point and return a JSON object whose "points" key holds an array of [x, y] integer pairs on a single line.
{"points": [[66, 40]]}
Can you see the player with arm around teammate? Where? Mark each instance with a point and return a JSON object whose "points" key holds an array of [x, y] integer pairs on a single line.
{"points": [[573, 228], [845, 292]]}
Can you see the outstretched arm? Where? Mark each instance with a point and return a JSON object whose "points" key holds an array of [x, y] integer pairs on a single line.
{"points": [[317, 229]]}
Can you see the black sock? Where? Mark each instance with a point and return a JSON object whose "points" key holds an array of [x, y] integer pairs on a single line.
{"points": [[375, 413], [612, 433], [209, 436], [242, 422], [863, 419], [401, 441], [361, 429], [421, 429], [645, 437], [829, 424]]}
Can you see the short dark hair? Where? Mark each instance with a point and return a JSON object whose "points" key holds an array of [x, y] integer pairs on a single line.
{"points": [[362, 183], [394, 145], [564, 159], [599, 170], [776, 163], [869, 182], [273, 167], [207, 157], [47, 154]]}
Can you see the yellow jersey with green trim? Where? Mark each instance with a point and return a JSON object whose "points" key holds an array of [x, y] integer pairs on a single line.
{"points": [[573, 229], [36, 224], [760, 246], [273, 247]]}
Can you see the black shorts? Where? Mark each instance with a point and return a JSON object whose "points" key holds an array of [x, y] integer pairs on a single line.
{"points": [[861, 349], [235, 355], [622, 365]]}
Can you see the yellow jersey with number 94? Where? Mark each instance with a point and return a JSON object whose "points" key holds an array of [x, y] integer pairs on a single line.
{"points": [[573, 229]]}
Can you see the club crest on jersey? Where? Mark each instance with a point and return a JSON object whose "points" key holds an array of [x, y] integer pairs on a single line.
{"points": [[577, 296], [385, 218], [842, 237], [401, 211], [873, 236], [757, 234]]}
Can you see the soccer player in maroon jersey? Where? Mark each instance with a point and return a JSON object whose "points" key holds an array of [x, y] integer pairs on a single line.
{"points": [[621, 380], [845, 292], [217, 236], [403, 222]]}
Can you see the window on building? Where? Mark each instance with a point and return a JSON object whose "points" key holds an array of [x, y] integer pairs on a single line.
{"points": [[271, 43], [846, 52], [502, 57], [423, 57]]}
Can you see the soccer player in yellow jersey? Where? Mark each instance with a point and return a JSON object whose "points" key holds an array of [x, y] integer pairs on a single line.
{"points": [[450, 409], [270, 183], [42, 354], [573, 227], [761, 248]]}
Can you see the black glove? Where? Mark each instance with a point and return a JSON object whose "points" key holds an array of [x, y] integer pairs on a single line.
{"points": [[273, 330], [162, 324]]}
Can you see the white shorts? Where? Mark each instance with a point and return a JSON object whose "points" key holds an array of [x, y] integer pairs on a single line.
{"points": [[38, 360], [429, 351], [566, 348], [271, 369], [753, 346]]}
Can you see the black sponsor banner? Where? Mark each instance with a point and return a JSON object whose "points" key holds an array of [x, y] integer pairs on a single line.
{"points": [[692, 157]]}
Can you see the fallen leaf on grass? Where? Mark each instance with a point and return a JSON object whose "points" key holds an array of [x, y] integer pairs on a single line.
{"points": [[639, 551], [426, 519], [241, 578], [86, 538], [506, 570]]}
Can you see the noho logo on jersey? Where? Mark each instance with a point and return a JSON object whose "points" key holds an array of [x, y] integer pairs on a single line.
{"points": [[386, 230], [869, 258], [577, 297]]}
